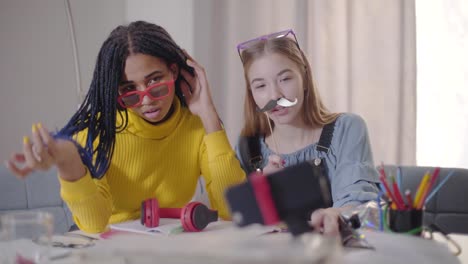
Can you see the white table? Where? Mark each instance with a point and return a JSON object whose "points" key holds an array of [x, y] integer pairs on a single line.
{"points": [[221, 242], [399, 248]]}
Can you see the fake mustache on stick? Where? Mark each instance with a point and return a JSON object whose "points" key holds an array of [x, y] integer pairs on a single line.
{"points": [[273, 103]]}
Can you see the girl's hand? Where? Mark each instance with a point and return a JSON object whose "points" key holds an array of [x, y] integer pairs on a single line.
{"points": [[326, 221], [42, 152], [199, 99], [275, 163]]}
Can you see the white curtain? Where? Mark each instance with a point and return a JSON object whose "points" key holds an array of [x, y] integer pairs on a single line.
{"points": [[362, 54], [442, 53]]}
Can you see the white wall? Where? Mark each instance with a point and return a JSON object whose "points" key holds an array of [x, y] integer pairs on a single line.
{"points": [[36, 68], [442, 59], [93, 22], [175, 16]]}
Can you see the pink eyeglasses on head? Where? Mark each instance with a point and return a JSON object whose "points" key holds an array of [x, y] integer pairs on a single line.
{"points": [[249, 43]]}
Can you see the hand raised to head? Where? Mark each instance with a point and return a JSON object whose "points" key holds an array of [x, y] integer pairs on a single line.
{"points": [[199, 98]]}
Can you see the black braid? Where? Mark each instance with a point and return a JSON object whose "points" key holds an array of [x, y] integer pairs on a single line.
{"points": [[154, 40], [99, 109]]}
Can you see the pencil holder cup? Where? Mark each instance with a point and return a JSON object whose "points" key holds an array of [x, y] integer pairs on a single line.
{"points": [[406, 221]]}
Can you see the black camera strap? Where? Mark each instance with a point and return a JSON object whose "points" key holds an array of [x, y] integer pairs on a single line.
{"points": [[251, 156]]}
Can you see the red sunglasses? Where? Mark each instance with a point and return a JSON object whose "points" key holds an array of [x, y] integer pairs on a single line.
{"points": [[157, 91]]}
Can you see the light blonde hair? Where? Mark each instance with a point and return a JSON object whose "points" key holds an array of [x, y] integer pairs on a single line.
{"points": [[314, 112]]}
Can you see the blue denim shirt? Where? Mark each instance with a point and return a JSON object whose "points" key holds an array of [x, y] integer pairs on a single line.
{"points": [[350, 165]]}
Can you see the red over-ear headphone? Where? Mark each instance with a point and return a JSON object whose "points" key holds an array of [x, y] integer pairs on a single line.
{"points": [[194, 217]]}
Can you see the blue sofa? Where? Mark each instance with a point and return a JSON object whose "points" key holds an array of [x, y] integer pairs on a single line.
{"points": [[39, 191]]}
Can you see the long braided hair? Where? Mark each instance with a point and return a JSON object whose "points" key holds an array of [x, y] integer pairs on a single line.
{"points": [[99, 110]]}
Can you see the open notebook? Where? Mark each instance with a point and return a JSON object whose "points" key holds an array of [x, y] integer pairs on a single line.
{"points": [[166, 226]]}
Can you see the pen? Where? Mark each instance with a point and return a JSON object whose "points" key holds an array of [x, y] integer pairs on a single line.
{"points": [[399, 177], [399, 199], [382, 171], [381, 219], [429, 187], [438, 187], [387, 189], [420, 190], [408, 199]]}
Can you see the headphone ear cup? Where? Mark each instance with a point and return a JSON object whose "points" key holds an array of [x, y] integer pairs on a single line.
{"points": [[196, 216], [202, 216], [149, 213], [142, 213], [154, 212], [186, 217]]}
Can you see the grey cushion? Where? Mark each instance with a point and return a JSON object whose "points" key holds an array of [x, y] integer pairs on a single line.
{"points": [[448, 208], [39, 191]]}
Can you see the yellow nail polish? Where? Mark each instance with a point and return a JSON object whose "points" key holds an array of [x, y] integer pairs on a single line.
{"points": [[34, 129], [25, 140], [39, 125]]}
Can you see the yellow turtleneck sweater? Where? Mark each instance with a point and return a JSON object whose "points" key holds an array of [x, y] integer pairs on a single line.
{"points": [[162, 161]]}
